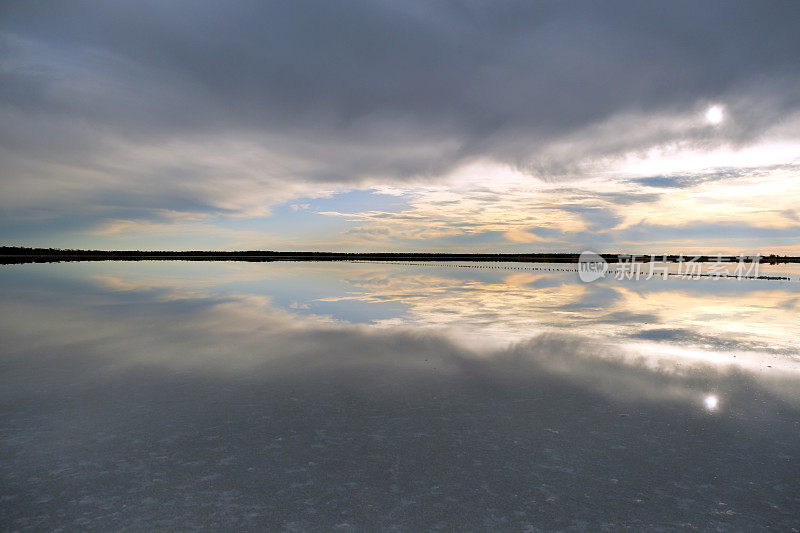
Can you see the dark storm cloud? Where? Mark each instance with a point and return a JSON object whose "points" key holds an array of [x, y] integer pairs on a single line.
{"points": [[382, 89], [537, 66]]}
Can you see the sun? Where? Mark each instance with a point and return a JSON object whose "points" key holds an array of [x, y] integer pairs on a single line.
{"points": [[711, 402], [715, 114]]}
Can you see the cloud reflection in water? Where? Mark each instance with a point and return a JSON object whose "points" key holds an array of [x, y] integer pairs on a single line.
{"points": [[173, 395]]}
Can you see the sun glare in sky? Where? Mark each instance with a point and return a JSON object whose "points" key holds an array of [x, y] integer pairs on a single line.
{"points": [[715, 115], [711, 402]]}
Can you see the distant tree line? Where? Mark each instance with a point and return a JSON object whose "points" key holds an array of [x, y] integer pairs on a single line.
{"points": [[20, 254]]}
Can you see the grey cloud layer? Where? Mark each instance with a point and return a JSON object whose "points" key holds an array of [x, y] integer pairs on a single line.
{"points": [[340, 92], [532, 65]]}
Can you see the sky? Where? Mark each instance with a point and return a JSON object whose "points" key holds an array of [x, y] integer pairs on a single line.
{"points": [[638, 126]]}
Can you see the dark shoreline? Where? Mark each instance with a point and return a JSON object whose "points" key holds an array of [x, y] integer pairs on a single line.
{"points": [[17, 255]]}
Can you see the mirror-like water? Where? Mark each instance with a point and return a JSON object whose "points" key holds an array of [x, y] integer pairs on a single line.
{"points": [[295, 396]]}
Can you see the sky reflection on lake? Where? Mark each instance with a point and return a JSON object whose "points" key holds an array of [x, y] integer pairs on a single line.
{"points": [[296, 396]]}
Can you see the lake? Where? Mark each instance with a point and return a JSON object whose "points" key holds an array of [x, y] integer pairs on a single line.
{"points": [[293, 396]]}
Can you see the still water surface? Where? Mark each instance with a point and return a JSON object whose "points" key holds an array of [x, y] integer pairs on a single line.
{"points": [[363, 396]]}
